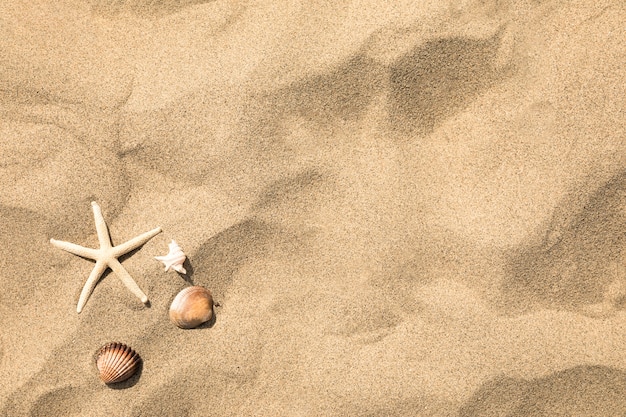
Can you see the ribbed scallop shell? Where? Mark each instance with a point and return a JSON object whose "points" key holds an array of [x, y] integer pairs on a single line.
{"points": [[192, 307], [174, 259], [117, 362]]}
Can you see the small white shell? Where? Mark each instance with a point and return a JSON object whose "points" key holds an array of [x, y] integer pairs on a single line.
{"points": [[192, 307], [174, 259], [116, 362]]}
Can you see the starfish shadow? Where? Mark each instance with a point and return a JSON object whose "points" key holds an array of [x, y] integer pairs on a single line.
{"points": [[129, 254]]}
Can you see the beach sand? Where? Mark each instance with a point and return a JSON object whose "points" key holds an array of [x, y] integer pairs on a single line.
{"points": [[402, 208]]}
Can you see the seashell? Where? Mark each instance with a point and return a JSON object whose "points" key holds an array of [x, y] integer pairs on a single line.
{"points": [[116, 362], [192, 307], [174, 259]]}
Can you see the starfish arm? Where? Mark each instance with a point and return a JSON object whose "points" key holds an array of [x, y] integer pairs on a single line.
{"points": [[89, 286], [130, 283], [126, 247], [101, 227], [75, 249]]}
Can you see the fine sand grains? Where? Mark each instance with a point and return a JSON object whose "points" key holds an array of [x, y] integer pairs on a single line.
{"points": [[400, 208]]}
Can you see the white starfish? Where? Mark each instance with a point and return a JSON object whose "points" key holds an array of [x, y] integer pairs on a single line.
{"points": [[106, 257]]}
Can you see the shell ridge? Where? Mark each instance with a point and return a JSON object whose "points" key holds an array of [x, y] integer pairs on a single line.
{"points": [[126, 366], [116, 359], [109, 355], [174, 258], [125, 363], [116, 362]]}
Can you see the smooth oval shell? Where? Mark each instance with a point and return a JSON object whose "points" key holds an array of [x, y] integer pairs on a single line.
{"points": [[192, 307], [116, 362]]}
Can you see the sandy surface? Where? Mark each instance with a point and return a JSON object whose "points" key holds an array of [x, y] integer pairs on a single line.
{"points": [[403, 208]]}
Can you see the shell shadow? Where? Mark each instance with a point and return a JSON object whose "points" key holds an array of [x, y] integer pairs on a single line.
{"points": [[130, 382], [207, 324], [187, 276]]}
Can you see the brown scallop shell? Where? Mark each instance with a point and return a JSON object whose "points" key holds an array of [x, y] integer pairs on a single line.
{"points": [[192, 307], [117, 362]]}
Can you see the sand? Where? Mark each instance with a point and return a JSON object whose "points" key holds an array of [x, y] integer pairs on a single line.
{"points": [[402, 208]]}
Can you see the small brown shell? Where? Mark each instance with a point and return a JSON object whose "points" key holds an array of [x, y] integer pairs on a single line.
{"points": [[116, 362], [192, 307]]}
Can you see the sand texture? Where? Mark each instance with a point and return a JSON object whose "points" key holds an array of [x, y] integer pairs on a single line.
{"points": [[402, 208]]}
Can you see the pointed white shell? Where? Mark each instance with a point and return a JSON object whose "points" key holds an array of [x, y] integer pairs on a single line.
{"points": [[116, 362], [174, 259]]}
